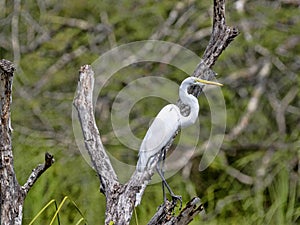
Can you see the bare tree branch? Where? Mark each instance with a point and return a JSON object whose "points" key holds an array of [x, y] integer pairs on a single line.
{"points": [[111, 36], [77, 23], [222, 36], [37, 172], [164, 214], [280, 108], [83, 102]]}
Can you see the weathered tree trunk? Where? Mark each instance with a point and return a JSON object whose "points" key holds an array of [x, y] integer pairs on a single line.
{"points": [[121, 199], [12, 195]]}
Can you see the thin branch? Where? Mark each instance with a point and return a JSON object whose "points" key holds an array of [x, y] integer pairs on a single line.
{"points": [[280, 108], [76, 23], [165, 28], [242, 177], [83, 102], [111, 36], [37, 172], [39, 40]]}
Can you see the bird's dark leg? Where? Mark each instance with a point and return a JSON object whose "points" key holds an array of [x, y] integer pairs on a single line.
{"points": [[160, 171]]}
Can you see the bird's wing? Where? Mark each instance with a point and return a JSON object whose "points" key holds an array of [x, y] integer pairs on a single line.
{"points": [[159, 134]]}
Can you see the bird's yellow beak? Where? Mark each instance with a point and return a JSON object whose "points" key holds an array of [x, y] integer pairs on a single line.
{"points": [[208, 82]]}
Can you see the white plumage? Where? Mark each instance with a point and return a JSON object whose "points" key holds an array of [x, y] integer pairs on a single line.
{"points": [[168, 121]]}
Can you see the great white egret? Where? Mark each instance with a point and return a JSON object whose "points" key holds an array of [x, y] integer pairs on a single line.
{"points": [[166, 123]]}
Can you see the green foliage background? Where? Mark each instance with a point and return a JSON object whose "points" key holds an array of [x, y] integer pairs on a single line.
{"points": [[254, 179]]}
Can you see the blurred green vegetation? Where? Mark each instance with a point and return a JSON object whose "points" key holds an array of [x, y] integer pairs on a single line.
{"points": [[255, 177]]}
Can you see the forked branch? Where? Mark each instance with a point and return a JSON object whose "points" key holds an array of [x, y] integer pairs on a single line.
{"points": [[121, 199]]}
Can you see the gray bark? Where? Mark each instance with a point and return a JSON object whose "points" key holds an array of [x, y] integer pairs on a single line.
{"points": [[12, 195], [164, 214]]}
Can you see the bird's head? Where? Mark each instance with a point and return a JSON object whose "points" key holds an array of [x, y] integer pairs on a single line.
{"points": [[190, 81]]}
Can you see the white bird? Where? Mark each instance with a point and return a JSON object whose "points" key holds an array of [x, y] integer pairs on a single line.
{"points": [[166, 123]]}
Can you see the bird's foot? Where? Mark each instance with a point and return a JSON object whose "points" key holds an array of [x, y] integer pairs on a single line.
{"points": [[176, 198]]}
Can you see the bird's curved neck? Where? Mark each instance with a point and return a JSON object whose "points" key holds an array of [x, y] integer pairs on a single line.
{"points": [[192, 101]]}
